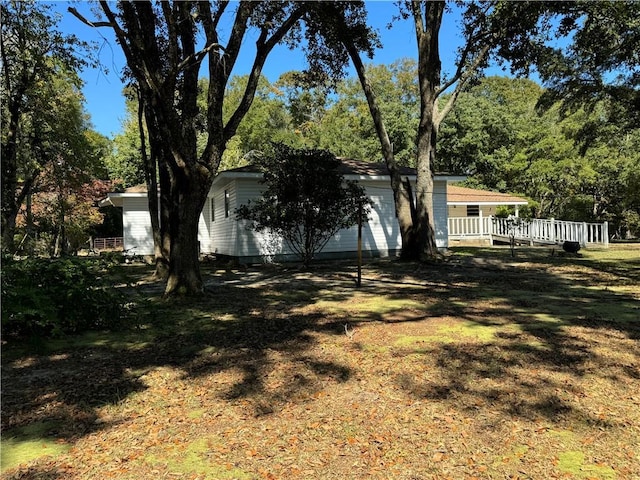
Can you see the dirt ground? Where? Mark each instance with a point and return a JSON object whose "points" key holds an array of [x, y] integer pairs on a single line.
{"points": [[482, 366]]}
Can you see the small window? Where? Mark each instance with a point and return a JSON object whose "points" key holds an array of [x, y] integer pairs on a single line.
{"points": [[473, 210], [213, 209], [226, 204]]}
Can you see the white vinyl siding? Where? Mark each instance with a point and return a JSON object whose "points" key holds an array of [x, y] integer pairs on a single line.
{"points": [[204, 229], [137, 233], [228, 236], [440, 214], [250, 243], [136, 225], [223, 230], [381, 235]]}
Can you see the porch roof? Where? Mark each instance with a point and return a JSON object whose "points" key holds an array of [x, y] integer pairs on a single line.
{"points": [[457, 195]]}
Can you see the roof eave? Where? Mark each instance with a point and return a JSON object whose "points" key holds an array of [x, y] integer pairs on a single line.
{"points": [[474, 202]]}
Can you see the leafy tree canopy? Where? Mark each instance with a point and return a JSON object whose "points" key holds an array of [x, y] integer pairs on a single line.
{"points": [[600, 64], [40, 120]]}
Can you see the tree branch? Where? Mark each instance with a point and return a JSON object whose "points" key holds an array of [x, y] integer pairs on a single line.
{"points": [[73, 11], [264, 47], [197, 57], [462, 80]]}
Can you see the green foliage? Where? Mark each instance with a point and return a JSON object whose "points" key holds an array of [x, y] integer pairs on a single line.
{"points": [[124, 162], [306, 201], [44, 124], [51, 297], [496, 135], [599, 62]]}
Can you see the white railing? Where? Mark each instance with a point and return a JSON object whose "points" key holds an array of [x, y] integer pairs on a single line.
{"points": [[469, 227], [534, 231], [107, 243]]}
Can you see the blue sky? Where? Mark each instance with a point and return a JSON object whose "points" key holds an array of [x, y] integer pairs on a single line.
{"points": [[103, 92]]}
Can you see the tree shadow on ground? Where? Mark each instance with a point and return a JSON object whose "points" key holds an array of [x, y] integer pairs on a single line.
{"points": [[547, 328], [239, 324]]}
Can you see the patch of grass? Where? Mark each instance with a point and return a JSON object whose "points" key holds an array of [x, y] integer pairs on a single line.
{"points": [[574, 462], [197, 413], [191, 459], [451, 333], [26, 444], [370, 307]]}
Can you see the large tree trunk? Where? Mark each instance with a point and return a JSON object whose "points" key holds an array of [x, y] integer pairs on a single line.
{"points": [[184, 259], [9, 177], [157, 198], [402, 195], [429, 71], [424, 193]]}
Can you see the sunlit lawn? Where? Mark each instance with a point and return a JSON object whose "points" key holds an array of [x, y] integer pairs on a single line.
{"points": [[482, 366]]}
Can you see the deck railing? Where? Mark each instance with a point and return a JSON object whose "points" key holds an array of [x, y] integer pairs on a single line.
{"points": [[108, 243], [469, 227], [537, 230]]}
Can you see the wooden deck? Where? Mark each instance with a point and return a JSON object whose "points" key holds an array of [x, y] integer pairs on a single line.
{"points": [[532, 232]]}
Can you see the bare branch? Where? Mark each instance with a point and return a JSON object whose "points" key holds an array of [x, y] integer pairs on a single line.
{"points": [[264, 47], [462, 79], [463, 59], [73, 11], [197, 57]]}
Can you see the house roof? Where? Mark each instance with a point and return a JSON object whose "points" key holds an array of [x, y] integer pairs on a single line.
{"points": [[457, 195], [350, 168], [142, 188]]}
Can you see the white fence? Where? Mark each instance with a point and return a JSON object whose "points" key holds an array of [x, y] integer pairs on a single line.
{"points": [[104, 243], [469, 227], [534, 231]]}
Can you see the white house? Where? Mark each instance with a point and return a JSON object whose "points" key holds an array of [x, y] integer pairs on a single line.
{"points": [[221, 233]]}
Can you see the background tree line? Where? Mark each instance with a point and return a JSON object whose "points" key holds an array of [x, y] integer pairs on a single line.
{"points": [[52, 160]]}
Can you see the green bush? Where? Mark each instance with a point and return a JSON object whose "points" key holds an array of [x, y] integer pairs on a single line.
{"points": [[51, 297]]}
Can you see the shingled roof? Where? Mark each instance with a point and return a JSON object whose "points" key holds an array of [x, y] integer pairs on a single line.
{"points": [[348, 166], [465, 196]]}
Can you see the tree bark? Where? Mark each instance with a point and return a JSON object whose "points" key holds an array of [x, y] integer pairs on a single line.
{"points": [[402, 196], [10, 203], [158, 205], [429, 73], [184, 215]]}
